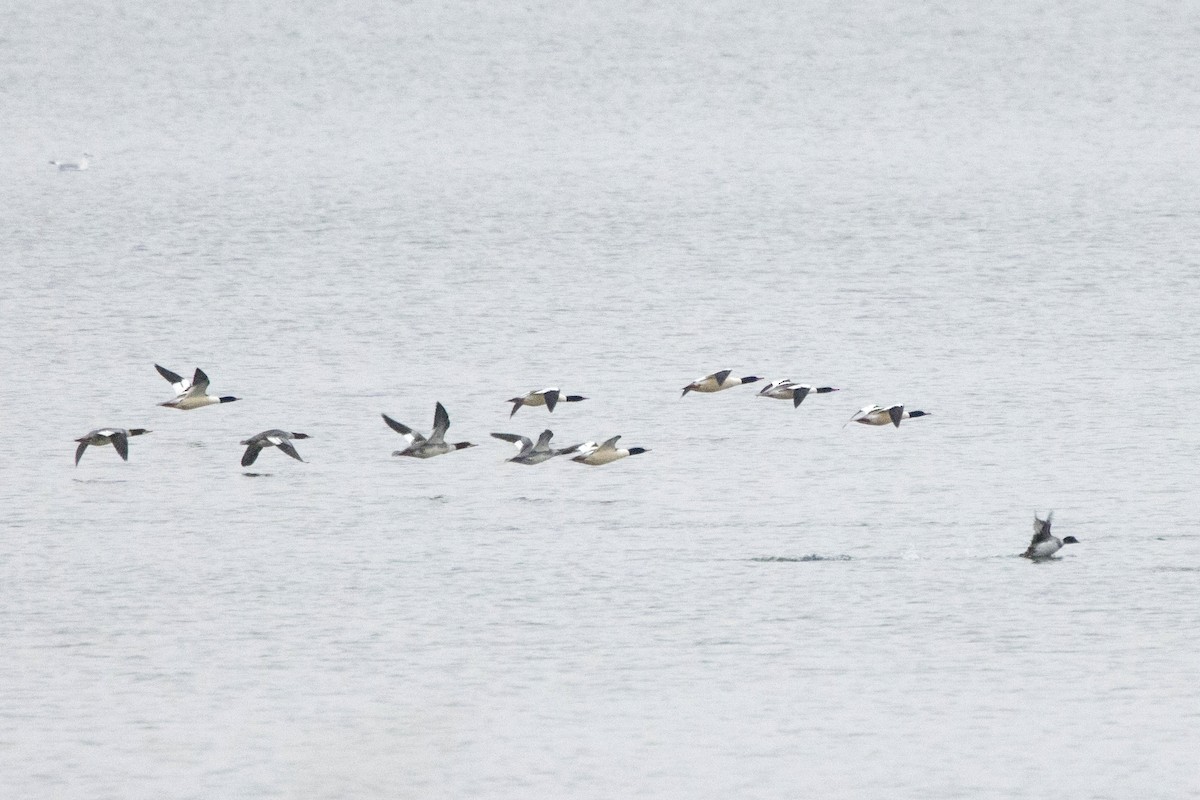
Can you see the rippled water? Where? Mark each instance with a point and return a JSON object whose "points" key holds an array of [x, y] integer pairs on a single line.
{"points": [[337, 210]]}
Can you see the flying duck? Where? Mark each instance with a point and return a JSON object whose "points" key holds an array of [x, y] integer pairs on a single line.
{"points": [[190, 393], [1043, 545], [546, 397], [419, 446], [717, 382], [117, 437], [877, 415], [594, 454], [73, 166], [796, 392], [271, 438], [531, 453]]}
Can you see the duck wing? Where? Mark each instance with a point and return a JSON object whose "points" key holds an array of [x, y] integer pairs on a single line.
{"points": [[543, 442], [441, 423], [199, 382], [402, 429], [1041, 528], [551, 396], [79, 450], [250, 455], [609, 444], [178, 383], [121, 441], [288, 448], [524, 445]]}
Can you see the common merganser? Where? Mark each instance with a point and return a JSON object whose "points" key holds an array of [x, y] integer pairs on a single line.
{"points": [[421, 447], [878, 415], [1043, 545], [796, 392], [271, 438], [546, 397], [117, 437], [191, 393], [716, 382], [531, 453], [594, 454]]}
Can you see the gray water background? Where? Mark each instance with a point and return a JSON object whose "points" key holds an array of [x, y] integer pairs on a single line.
{"points": [[987, 211]]}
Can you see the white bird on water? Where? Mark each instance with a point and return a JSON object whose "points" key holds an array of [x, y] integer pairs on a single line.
{"points": [[73, 166]]}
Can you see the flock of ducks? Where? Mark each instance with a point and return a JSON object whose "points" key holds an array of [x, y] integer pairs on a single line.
{"points": [[193, 393]]}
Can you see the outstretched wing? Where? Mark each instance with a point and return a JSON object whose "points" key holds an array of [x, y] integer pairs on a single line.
{"points": [[402, 429], [1041, 527], [177, 382], [609, 444], [79, 452], [524, 445], [250, 455], [862, 413], [121, 442], [896, 413], [798, 395], [551, 396], [287, 447], [721, 376], [199, 382], [543, 442], [441, 422]]}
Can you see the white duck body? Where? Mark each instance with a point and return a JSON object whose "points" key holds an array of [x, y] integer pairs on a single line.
{"points": [[717, 382], [878, 415], [595, 455], [73, 166], [190, 393], [549, 397], [786, 389]]}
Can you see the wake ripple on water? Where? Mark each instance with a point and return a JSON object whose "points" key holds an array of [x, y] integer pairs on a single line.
{"points": [[798, 559]]}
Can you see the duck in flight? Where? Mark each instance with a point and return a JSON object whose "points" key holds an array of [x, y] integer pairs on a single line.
{"points": [[271, 438], [786, 389], [190, 394], [718, 381], [1044, 545], [546, 397], [595, 455], [531, 453], [117, 437], [877, 415], [422, 447]]}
